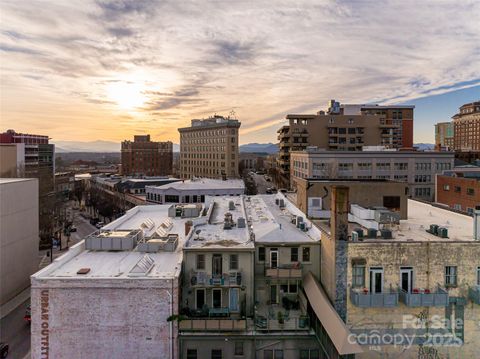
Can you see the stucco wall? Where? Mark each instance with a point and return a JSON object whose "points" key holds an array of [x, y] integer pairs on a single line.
{"points": [[102, 318], [18, 236]]}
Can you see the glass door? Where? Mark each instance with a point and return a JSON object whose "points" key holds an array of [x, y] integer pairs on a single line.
{"points": [[406, 278], [273, 258], [376, 280], [217, 265]]}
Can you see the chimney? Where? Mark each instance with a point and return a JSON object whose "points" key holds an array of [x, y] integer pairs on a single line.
{"points": [[339, 213], [188, 226]]}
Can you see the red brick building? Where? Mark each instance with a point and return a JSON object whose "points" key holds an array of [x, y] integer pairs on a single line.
{"points": [[458, 192], [143, 157]]}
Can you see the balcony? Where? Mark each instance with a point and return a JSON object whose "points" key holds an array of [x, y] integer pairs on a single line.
{"points": [[424, 298], [284, 271], [204, 324], [231, 279], [274, 317], [474, 294], [365, 299]]}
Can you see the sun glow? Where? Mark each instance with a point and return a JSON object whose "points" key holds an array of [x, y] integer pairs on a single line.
{"points": [[127, 95]]}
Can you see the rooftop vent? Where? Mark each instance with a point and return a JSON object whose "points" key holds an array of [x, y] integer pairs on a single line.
{"points": [[231, 206], [147, 224], [241, 222], [228, 222], [372, 233]]}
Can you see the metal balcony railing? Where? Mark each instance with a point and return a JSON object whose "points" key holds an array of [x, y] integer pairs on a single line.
{"points": [[474, 294], [424, 298], [363, 299], [231, 279], [212, 325]]}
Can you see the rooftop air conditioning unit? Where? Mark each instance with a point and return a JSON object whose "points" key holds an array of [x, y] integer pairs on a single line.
{"points": [[372, 233], [386, 233], [442, 232]]}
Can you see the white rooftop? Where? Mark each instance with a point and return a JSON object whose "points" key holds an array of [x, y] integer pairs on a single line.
{"points": [[125, 264], [272, 224], [202, 184], [420, 217], [212, 234]]}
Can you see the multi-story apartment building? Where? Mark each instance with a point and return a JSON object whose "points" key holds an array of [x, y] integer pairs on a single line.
{"points": [[209, 148], [415, 280], [467, 127], [444, 135], [143, 157], [459, 189], [344, 128], [417, 168]]}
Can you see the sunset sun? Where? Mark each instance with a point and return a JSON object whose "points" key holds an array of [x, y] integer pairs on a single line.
{"points": [[127, 95]]}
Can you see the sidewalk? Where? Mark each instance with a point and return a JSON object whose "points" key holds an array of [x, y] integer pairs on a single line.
{"points": [[13, 303]]}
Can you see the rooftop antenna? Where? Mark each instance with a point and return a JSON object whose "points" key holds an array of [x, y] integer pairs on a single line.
{"points": [[197, 232]]}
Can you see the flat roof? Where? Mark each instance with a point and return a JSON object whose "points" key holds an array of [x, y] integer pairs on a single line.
{"points": [[203, 183], [212, 234], [272, 224], [414, 229], [119, 264]]}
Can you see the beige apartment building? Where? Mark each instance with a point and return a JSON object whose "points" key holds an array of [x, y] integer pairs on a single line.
{"points": [[444, 135], [344, 128], [417, 168], [209, 148]]}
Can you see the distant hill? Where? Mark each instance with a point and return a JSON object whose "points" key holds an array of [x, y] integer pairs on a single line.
{"points": [[91, 146], [424, 146], [259, 147]]}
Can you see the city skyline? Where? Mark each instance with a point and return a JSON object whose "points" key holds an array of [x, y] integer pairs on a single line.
{"points": [[104, 70]]}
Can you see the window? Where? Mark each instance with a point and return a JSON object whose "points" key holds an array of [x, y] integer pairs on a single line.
{"points": [[273, 354], [216, 354], [446, 187], [292, 287], [191, 353], [470, 191], [261, 254], [233, 261], [294, 254], [309, 354], [451, 276], [238, 348], [306, 254], [358, 275], [201, 261], [458, 189]]}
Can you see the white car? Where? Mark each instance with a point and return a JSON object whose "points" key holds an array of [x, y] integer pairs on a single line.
{"points": [[99, 225]]}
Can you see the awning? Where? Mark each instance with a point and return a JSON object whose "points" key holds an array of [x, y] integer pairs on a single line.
{"points": [[331, 321]]}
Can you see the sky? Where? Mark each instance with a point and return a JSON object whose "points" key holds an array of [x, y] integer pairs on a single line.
{"points": [[107, 70]]}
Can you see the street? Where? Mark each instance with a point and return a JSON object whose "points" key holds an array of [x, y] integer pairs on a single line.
{"points": [[261, 183], [14, 330]]}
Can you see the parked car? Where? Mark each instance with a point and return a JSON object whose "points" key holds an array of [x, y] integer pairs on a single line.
{"points": [[94, 221], [73, 229], [99, 225], [268, 191], [283, 190], [3, 350]]}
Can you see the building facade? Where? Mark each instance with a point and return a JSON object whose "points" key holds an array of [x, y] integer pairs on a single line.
{"points": [[142, 157], [18, 235], [444, 135], [411, 279], [209, 148], [467, 127], [459, 190], [194, 190], [417, 168], [345, 128]]}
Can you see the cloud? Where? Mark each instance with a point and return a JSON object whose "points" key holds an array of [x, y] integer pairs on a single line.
{"points": [[196, 58]]}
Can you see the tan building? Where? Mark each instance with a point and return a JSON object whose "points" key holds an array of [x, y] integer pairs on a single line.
{"points": [[345, 128], [314, 195], [12, 159], [444, 135], [467, 127], [415, 280], [417, 168], [18, 235], [209, 148], [143, 157]]}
